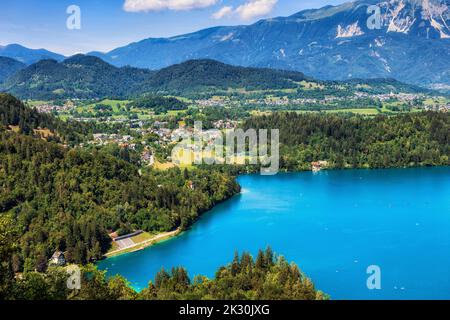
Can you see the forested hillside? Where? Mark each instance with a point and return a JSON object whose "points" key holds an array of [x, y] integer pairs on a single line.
{"points": [[420, 139], [197, 74], [85, 77], [159, 105], [270, 277], [76, 77], [15, 115], [69, 199]]}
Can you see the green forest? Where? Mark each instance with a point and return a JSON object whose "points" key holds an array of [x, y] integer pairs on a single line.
{"points": [[86, 77], [159, 105], [70, 198], [55, 195], [269, 277], [349, 141]]}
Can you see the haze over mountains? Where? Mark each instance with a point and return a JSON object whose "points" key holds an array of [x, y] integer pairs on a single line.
{"points": [[333, 43]]}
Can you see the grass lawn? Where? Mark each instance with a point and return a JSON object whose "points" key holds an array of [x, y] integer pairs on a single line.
{"points": [[436, 100], [363, 111], [142, 237], [108, 102], [176, 112], [163, 166], [44, 132], [34, 103]]}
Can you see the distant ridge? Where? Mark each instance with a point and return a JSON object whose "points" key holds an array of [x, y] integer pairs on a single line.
{"points": [[79, 76], [86, 77], [26, 55], [331, 43]]}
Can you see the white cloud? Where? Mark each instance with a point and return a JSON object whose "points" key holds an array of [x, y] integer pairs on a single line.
{"points": [[255, 8], [156, 5], [247, 11], [224, 12]]}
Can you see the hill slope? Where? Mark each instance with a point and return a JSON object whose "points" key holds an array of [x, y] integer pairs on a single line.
{"points": [[67, 198], [412, 44], [8, 67], [90, 77], [76, 77], [197, 74]]}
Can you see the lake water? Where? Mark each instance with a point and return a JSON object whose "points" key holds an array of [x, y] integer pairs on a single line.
{"points": [[333, 224]]}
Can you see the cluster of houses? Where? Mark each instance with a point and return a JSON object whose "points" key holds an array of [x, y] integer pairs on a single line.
{"points": [[225, 124], [147, 158], [104, 138], [402, 97], [50, 108], [58, 259], [212, 102], [319, 165], [285, 101]]}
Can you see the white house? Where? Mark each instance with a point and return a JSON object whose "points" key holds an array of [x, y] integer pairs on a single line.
{"points": [[57, 259]]}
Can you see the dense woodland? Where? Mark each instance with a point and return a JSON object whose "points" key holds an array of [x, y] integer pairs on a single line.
{"points": [[413, 139], [270, 277], [194, 75], [57, 197], [76, 77], [88, 77], [69, 199], [159, 105]]}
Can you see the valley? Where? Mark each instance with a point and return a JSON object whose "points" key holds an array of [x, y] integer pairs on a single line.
{"points": [[117, 163], [145, 122]]}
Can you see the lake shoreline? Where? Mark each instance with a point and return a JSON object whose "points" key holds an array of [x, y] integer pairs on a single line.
{"points": [[360, 214], [173, 234], [144, 244]]}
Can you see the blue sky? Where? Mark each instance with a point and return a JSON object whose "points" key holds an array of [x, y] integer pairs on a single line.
{"points": [[107, 24]]}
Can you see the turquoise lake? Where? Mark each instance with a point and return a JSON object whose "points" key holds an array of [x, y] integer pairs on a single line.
{"points": [[333, 224]]}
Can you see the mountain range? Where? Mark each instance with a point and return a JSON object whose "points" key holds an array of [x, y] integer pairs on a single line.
{"points": [[84, 77], [409, 41], [27, 55], [412, 43]]}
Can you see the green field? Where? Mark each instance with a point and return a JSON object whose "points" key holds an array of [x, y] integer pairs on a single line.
{"points": [[115, 104], [142, 237], [363, 111], [34, 103]]}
